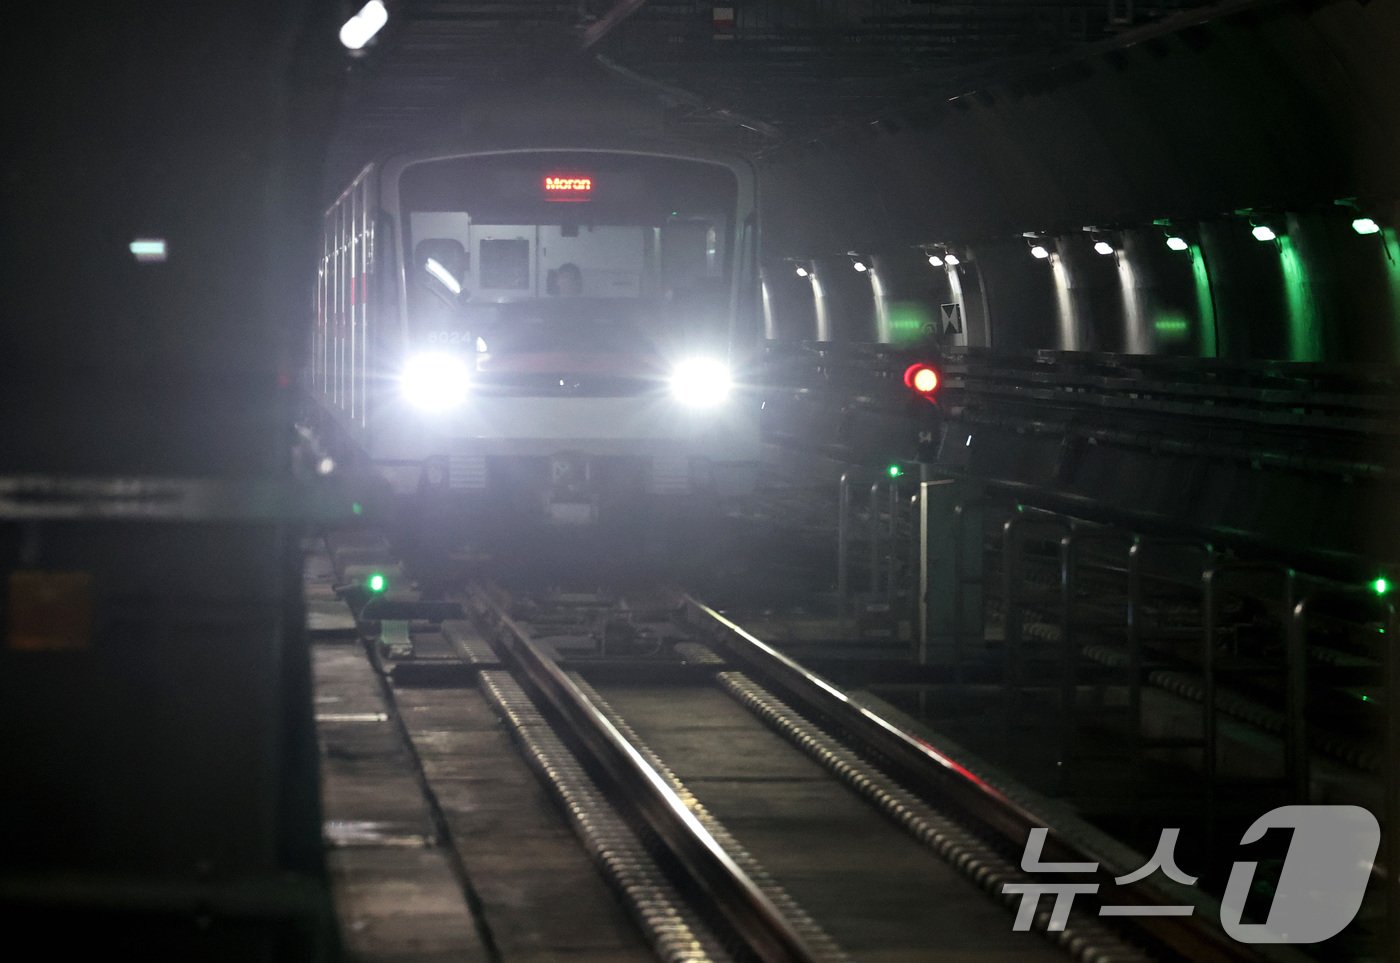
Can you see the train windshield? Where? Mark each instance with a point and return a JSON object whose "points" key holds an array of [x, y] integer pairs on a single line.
{"points": [[536, 249]]}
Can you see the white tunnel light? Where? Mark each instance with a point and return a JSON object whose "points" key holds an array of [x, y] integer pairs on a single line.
{"points": [[148, 250], [1263, 232], [361, 28], [1365, 225], [436, 381], [935, 260], [859, 266], [1176, 243], [700, 382], [802, 272], [1040, 252], [951, 260], [1103, 247]]}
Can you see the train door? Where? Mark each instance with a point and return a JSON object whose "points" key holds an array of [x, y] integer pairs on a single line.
{"points": [[320, 341], [352, 223], [359, 288], [339, 267]]}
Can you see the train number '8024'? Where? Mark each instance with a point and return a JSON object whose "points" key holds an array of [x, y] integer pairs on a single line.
{"points": [[449, 337]]}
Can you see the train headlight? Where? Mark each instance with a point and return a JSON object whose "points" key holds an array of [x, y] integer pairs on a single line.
{"points": [[700, 382], [436, 381]]}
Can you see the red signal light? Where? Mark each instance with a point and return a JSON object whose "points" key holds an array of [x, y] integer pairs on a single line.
{"points": [[922, 378]]}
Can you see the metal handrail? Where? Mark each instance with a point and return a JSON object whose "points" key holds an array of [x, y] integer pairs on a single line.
{"points": [[1390, 816], [1211, 582]]}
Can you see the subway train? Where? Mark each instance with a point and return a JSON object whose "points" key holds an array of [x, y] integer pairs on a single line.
{"points": [[547, 331]]}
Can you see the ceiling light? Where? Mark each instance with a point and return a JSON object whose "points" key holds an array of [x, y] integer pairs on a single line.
{"points": [[361, 28]]}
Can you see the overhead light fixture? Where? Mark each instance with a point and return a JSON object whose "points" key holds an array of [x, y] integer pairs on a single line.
{"points": [[1176, 243], [802, 272], [939, 256], [1040, 252], [1360, 223], [361, 28], [1100, 239], [857, 262], [1262, 224]]}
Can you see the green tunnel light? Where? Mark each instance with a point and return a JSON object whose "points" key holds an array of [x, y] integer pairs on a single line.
{"points": [[1380, 585], [357, 508], [377, 583], [1365, 225]]}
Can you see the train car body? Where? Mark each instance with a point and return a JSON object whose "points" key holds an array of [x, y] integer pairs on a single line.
{"points": [[549, 329]]}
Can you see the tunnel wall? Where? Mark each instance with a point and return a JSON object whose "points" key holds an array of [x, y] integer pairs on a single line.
{"points": [[161, 778], [1268, 113]]}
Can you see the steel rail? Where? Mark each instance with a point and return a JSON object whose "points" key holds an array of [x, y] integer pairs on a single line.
{"points": [[936, 775], [753, 916]]}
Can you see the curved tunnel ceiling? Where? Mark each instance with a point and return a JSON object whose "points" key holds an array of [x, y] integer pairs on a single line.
{"points": [[753, 74], [983, 119], [1275, 107]]}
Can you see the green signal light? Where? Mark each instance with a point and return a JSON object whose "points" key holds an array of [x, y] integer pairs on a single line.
{"points": [[377, 583], [1381, 585], [895, 471], [357, 508], [1365, 225]]}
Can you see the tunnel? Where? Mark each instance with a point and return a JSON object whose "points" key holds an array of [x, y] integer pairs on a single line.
{"points": [[768, 480]]}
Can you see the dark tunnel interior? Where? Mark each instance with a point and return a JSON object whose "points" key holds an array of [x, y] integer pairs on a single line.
{"points": [[988, 405]]}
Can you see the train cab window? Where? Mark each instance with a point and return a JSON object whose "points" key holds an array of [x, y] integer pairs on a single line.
{"points": [[505, 264], [650, 237]]}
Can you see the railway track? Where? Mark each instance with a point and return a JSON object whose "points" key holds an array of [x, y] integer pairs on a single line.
{"points": [[732, 804]]}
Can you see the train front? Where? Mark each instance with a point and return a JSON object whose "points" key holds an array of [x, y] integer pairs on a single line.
{"points": [[575, 325]]}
